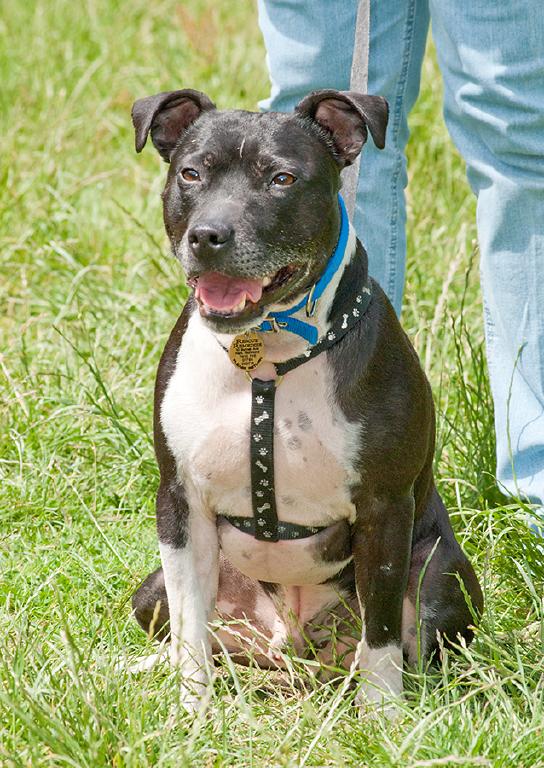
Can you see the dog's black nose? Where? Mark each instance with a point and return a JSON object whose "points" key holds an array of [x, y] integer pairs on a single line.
{"points": [[209, 238]]}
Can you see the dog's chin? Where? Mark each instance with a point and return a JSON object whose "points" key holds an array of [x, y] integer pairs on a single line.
{"points": [[224, 324]]}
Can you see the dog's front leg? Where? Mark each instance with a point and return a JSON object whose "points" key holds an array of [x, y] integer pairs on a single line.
{"points": [[381, 545], [190, 559]]}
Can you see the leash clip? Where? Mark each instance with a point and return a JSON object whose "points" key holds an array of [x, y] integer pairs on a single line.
{"points": [[311, 303]]}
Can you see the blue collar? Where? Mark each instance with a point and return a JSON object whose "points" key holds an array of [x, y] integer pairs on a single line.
{"points": [[283, 319]]}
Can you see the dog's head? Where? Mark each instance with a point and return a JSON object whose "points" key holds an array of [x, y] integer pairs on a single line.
{"points": [[250, 202]]}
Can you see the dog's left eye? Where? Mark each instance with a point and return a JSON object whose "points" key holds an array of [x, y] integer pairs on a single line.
{"points": [[283, 180], [189, 174]]}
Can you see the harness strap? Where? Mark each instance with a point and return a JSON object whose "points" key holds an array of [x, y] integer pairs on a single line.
{"points": [[263, 497], [286, 531], [348, 318]]}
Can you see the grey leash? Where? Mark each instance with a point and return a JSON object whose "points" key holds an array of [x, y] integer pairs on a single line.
{"points": [[358, 82]]}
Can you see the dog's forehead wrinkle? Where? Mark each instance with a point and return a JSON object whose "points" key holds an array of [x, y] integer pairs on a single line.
{"points": [[254, 136]]}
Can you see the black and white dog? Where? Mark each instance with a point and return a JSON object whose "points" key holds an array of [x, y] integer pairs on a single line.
{"points": [[340, 453]]}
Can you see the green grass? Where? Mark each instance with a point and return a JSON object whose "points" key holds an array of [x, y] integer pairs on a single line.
{"points": [[88, 295]]}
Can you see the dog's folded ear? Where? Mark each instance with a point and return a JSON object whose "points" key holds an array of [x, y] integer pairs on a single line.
{"points": [[346, 115], [167, 115]]}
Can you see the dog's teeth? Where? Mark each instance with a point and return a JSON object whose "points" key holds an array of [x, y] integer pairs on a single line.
{"points": [[266, 281], [239, 307]]}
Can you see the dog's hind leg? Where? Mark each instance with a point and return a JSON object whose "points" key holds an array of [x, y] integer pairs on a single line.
{"points": [[449, 594], [150, 605]]}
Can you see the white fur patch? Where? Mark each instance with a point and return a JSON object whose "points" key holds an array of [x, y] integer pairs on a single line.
{"points": [[382, 672]]}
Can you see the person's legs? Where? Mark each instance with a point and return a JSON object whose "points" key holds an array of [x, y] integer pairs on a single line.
{"points": [[310, 46], [492, 59]]}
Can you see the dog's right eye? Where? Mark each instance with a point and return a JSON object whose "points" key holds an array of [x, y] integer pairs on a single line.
{"points": [[189, 174]]}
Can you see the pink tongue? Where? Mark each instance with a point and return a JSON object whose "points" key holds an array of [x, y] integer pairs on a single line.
{"points": [[222, 292]]}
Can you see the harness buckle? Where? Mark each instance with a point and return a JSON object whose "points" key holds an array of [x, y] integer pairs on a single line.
{"points": [[311, 303], [277, 381]]}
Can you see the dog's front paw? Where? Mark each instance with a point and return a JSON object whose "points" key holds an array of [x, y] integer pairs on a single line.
{"points": [[192, 695], [195, 674], [381, 688], [373, 701]]}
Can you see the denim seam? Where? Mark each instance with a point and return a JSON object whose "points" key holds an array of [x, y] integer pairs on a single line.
{"points": [[399, 98]]}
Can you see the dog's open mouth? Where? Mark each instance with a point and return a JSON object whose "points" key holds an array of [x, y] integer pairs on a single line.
{"points": [[225, 296]]}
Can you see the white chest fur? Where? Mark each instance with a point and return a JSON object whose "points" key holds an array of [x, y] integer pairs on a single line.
{"points": [[205, 416]]}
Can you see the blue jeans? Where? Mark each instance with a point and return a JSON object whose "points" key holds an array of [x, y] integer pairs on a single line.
{"points": [[491, 55]]}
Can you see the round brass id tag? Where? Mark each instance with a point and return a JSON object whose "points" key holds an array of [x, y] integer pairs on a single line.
{"points": [[247, 351]]}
